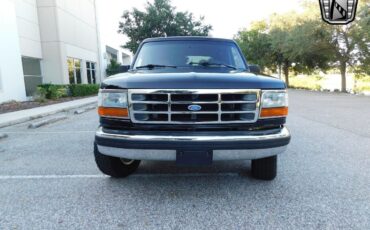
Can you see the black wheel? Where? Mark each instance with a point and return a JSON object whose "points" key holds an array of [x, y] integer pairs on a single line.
{"points": [[265, 168], [114, 166]]}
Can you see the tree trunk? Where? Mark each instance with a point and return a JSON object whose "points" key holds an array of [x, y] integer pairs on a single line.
{"points": [[343, 68], [280, 72], [286, 73]]}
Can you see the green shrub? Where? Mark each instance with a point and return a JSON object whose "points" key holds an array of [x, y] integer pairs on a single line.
{"points": [[306, 82], [57, 91], [53, 92], [362, 88], [40, 94], [113, 67], [83, 90]]}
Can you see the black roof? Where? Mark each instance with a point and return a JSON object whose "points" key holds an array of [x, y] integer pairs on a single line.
{"points": [[186, 38]]}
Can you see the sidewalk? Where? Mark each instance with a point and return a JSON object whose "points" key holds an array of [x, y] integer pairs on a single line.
{"points": [[17, 117]]}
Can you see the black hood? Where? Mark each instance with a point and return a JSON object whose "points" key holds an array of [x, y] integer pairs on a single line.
{"points": [[192, 80]]}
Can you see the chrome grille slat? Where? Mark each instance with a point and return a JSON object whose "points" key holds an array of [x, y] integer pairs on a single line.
{"points": [[186, 112], [151, 102], [203, 102], [238, 102], [194, 102], [196, 117]]}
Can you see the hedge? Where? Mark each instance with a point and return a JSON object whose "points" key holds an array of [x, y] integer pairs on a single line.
{"points": [[83, 90], [51, 91]]}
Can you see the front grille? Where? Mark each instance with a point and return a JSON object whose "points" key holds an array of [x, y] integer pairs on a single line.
{"points": [[205, 106]]}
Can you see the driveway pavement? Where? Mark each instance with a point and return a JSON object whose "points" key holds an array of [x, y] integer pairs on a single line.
{"points": [[48, 178]]}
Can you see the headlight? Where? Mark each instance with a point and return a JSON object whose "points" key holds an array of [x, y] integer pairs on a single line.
{"points": [[274, 103], [113, 103]]}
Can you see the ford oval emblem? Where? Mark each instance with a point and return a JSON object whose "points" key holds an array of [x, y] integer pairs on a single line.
{"points": [[194, 107]]}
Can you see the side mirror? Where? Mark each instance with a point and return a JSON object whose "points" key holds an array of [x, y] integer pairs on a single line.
{"points": [[124, 68], [254, 69]]}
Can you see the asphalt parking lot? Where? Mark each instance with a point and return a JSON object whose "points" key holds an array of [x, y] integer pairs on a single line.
{"points": [[48, 178]]}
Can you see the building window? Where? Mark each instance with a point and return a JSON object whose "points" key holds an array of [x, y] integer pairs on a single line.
{"points": [[74, 70], [91, 72], [32, 74]]}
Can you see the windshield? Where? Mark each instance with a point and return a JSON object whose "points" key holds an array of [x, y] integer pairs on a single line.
{"points": [[189, 54]]}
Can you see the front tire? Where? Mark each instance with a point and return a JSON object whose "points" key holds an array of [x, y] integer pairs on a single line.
{"points": [[265, 168], [114, 166]]}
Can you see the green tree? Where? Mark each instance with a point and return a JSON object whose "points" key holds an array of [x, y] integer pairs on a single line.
{"points": [[346, 45], [266, 42], [255, 44], [281, 27], [159, 19], [308, 42], [362, 37], [280, 50]]}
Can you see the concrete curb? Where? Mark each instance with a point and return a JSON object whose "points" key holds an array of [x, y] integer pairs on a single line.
{"points": [[13, 118], [3, 135], [80, 111], [37, 124]]}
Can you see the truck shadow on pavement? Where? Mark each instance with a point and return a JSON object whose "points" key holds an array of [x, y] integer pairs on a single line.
{"points": [[170, 168], [169, 182]]}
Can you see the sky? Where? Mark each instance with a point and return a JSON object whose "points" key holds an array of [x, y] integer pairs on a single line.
{"points": [[226, 16]]}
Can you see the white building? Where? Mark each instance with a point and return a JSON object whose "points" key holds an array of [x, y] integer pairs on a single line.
{"points": [[122, 56], [47, 41], [110, 40]]}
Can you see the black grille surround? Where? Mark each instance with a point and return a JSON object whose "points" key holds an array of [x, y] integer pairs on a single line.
{"points": [[194, 106]]}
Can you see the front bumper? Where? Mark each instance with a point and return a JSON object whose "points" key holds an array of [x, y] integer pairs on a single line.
{"points": [[238, 145]]}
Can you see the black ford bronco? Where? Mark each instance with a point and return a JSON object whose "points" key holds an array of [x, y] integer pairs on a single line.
{"points": [[192, 100]]}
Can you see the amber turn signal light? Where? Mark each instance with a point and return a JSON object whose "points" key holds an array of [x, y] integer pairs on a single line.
{"points": [[113, 112], [274, 112]]}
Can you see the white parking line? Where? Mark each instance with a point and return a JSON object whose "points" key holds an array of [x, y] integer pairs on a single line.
{"points": [[47, 132], [26, 177], [21, 177], [183, 174]]}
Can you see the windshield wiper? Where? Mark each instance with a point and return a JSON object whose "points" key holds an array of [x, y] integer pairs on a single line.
{"points": [[152, 66], [206, 64]]}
